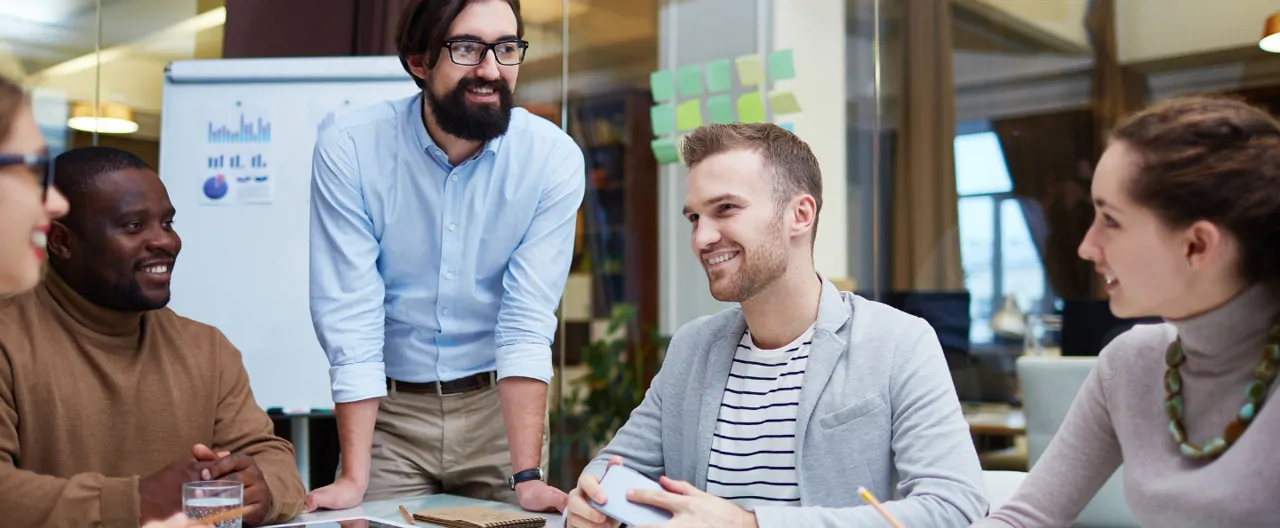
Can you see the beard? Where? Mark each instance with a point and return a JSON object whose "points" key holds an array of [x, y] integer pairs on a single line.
{"points": [[472, 122], [761, 266]]}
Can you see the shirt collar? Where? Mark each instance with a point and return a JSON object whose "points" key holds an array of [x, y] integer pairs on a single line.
{"points": [[429, 146]]}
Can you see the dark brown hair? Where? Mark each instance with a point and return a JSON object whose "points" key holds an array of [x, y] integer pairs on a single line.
{"points": [[795, 168], [1212, 158], [424, 24], [11, 100]]}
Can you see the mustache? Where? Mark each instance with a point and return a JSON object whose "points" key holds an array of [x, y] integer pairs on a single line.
{"points": [[497, 85], [157, 256]]}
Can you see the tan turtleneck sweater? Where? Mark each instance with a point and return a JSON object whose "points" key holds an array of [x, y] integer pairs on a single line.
{"points": [[92, 399], [1119, 417]]}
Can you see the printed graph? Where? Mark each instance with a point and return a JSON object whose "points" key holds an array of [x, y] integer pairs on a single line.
{"points": [[247, 130], [217, 162]]}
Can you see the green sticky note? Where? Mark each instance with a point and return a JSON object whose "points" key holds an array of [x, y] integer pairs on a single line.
{"points": [[750, 70], [663, 85], [664, 150], [719, 76], [663, 118], [751, 108], [784, 102], [690, 80], [689, 115], [720, 109], [781, 66]]}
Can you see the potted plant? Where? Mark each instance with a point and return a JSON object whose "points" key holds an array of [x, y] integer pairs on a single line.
{"points": [[617, 376]]}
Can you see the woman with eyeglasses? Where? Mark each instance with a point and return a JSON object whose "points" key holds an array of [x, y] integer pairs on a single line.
{"points": [[28, 201]]}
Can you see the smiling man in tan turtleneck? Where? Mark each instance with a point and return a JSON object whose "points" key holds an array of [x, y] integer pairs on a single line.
{"points": [[109, 401]]}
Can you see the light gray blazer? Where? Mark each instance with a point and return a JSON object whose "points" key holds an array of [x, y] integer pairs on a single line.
{"points": [[877, 409]]}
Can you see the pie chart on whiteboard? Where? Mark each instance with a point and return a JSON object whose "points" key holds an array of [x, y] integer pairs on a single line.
{"points": [[215, 187]]}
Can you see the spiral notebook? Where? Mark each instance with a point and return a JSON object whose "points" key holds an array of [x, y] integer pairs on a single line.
{"points": [[477, 517]]}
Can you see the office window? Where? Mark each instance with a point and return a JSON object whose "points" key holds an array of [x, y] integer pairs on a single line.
{"points": [[997, 251]]}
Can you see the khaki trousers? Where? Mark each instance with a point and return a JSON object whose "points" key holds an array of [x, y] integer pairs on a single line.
{"points": [[424, 444]]}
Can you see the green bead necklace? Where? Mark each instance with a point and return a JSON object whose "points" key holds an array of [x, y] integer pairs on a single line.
{"points": [[1255, 392]]}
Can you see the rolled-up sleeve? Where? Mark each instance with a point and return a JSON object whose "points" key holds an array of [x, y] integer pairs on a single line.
{"points": [[346, 289], [536, 274]]}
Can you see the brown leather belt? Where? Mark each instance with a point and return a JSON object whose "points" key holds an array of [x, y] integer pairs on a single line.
{"points": [[471, 383]]}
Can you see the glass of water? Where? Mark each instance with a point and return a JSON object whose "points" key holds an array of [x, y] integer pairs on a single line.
{"points": [[206, 498]]}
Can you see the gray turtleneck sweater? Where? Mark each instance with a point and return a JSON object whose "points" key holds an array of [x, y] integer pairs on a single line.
{"points": [[1119, 417]]}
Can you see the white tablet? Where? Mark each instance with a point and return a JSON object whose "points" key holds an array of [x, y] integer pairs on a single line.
{"points": [[617, 481]]}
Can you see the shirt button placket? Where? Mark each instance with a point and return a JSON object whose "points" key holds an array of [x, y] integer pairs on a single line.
{"points": [[449, 246]]}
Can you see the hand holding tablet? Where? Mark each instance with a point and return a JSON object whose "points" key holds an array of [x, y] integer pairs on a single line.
{"points": [[584, 511], [617, 481]]}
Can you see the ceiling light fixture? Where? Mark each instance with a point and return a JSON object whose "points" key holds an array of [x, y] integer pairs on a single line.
{"points": [[112, 118], [1271, 34]]}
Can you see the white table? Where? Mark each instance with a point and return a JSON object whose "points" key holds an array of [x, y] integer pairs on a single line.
{"points": [[387, 512]]}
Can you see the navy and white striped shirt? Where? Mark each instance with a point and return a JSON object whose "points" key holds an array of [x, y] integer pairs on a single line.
{"points": [[753, 455]]}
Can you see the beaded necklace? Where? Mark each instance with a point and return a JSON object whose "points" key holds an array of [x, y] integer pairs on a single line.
{"points": [[1255, 392]]}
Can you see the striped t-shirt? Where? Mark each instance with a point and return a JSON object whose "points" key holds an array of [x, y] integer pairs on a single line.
{"points": [[753, 454]]}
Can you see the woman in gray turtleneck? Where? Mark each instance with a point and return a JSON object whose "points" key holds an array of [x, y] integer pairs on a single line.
{"points": [[1187, 227]]}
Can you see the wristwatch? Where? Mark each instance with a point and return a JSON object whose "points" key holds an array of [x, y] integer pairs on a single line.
{"points": [[524, 476]]}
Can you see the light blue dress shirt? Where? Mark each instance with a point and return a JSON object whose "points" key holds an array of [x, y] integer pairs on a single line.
{"points": [[423, 271]]}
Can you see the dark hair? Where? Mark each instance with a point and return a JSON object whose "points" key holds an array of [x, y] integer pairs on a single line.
{"points": [[1212, 158], [424, 24], [11, 100], [793, 164], [76, 170]]}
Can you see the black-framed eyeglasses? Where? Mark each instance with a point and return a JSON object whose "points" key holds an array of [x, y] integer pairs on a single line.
{"points": [[40, 165], [466, 52]]}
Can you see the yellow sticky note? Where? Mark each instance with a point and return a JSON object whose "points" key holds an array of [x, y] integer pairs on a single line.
{"points": [[751, 108], [750, 70], [784, 102], [664, 150], [689, 114]]}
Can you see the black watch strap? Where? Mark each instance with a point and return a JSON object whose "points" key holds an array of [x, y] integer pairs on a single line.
{"points": [[525, 476]]}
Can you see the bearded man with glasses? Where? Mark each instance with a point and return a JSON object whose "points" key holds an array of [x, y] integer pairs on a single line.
{"points": [[442, 229]]}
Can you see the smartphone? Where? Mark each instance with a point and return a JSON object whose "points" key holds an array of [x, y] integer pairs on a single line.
{"points": [[617, 481]]}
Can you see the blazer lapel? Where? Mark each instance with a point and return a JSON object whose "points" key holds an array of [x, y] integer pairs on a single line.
{"points": [[824, 354], [718, 366]]}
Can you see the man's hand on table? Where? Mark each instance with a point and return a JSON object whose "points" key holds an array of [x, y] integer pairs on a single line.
{"points": [[538, 496], [239, 468], [161, 492], [344, 493]]}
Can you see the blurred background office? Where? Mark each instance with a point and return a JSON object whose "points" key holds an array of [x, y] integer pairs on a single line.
{"points": [[957, 139]]}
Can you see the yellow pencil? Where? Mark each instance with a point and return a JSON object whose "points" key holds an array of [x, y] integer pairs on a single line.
{"points": [[407, 518], [871, 499]]}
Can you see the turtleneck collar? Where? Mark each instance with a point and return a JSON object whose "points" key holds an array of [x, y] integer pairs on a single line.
{"points": [[1230, 335], [92, 317]]}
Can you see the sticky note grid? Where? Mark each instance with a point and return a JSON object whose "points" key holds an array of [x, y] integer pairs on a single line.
{"points": [[692, 95]]}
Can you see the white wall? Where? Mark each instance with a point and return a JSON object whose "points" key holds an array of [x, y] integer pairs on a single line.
{"points": [[815, 32], [1152, 30], [1061, 18]]}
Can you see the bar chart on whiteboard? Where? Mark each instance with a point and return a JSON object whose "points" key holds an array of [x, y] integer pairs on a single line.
{"points": [[237, 155], [325, 112]]}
